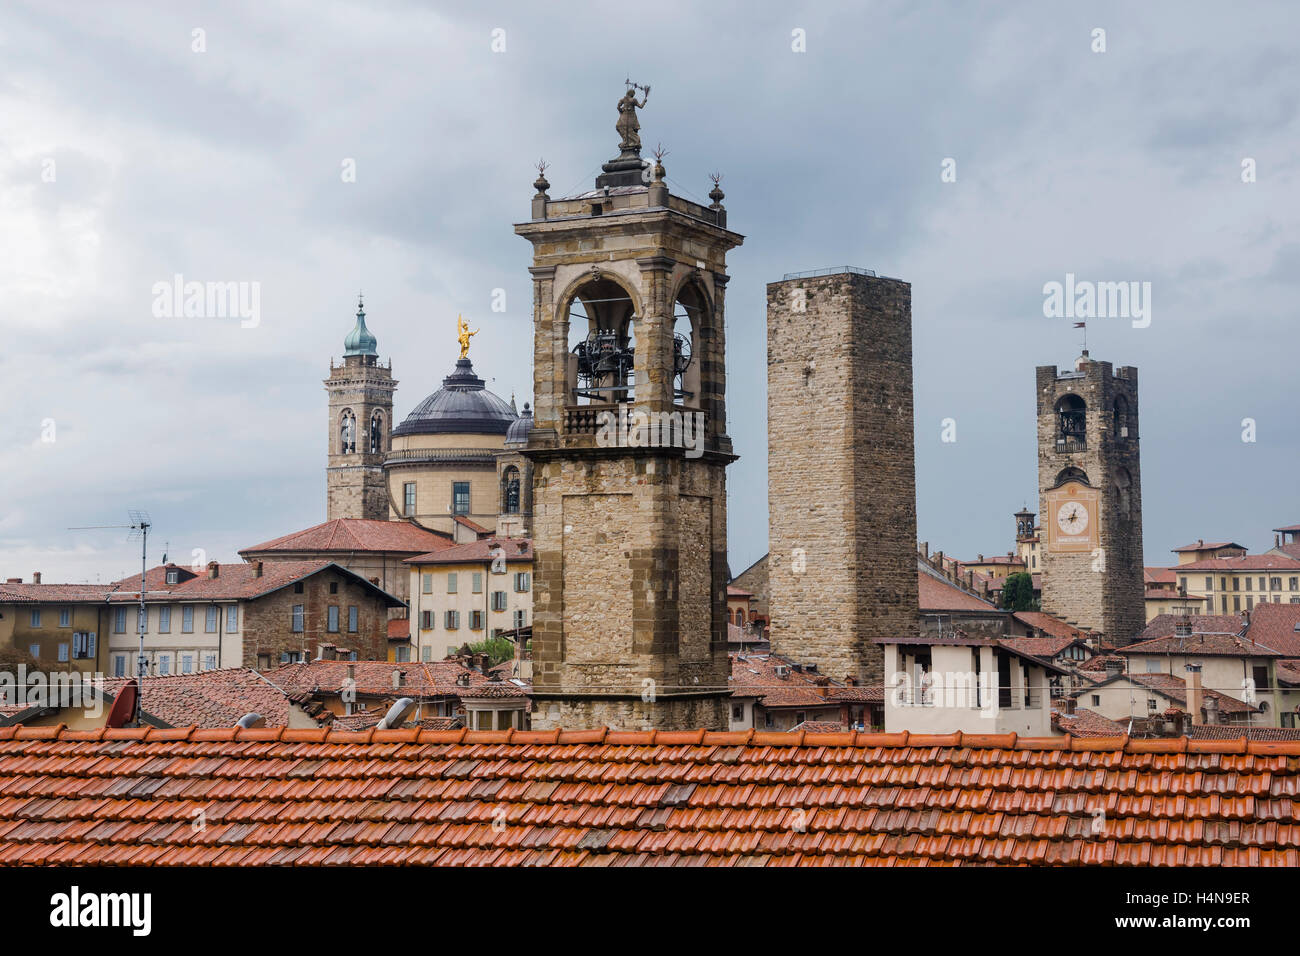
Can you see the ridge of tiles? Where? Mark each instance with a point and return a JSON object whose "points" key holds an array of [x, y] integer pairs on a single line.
{"points": [[665, 738]]}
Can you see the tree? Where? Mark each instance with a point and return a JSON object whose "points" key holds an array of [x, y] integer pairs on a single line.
{"points": [[1018, 592], [498, 650]]}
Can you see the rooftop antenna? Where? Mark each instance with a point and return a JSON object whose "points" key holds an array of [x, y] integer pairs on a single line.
{"points": [[139, 527]]}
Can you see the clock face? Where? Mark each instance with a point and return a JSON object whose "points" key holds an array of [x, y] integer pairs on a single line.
{"points": [[1072, 518]]}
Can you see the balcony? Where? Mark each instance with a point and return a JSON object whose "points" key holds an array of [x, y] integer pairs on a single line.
{"points": [[1071, 445]]}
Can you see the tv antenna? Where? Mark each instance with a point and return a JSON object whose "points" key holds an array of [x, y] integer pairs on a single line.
{"points": [[139, 528]]}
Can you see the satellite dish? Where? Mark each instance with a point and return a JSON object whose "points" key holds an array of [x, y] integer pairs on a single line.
{"points": [[396, 714], [123, 708], [250, 721]]}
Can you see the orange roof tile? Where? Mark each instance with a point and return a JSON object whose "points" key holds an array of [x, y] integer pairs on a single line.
{"points": [[514, 550], [357, 534], [599, 798]]}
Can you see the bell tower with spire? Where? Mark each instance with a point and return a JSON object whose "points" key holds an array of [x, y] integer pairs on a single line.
{"points": [[360, 427], [629, 449]]}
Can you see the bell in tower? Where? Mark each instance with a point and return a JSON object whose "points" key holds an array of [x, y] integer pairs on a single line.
{"points": [[629, 448]]}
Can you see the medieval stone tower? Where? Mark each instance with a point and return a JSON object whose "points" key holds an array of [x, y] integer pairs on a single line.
{"points": [[841, 469], [360, 428], [629, 449], [1090, 497]]}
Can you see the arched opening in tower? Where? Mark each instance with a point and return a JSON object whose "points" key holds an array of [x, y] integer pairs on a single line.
{"points": [[601, 338]]}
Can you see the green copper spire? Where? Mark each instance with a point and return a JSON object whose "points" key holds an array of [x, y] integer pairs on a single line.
{"points": [[360, 341]]}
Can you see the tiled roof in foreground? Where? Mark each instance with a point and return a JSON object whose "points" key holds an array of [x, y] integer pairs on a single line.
{"points": [[607, 798]]}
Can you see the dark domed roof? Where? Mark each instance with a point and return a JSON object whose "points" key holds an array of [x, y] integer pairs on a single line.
{"points": [[462, 406], [518, 433]]}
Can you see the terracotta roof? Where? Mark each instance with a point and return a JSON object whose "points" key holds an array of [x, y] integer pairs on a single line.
{"points": [[995, 559], [1206, 640], [939, 594], [1291, 527], [1274, 625], [602, 798], [1175, 688], [1086, 723], [1050, 625], [1292, 549], [375, 678], [1044, 647], [472, 525], [1207, 546], [366, 719], [755, 675], [215, 698], [357, 534], [1159, 576], [1288, 672], [53, 593], [733, 591], [818, 727], [1246, 562], [1237, 732], [517, 550], [1165, 625], [236, 581]]}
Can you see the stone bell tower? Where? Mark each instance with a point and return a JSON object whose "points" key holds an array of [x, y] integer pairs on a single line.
{"points": [[629, 448], [360, 428], [1090, 497]]}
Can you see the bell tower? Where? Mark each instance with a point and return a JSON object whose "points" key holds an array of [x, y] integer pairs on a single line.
{"points": [[360, 428], [1090, 497], [629, 449]]}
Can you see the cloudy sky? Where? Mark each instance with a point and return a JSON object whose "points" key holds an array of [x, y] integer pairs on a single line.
{"points": [[127, 157]]}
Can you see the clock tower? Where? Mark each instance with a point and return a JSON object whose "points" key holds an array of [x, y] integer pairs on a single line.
{"points": [[1090, 497]]}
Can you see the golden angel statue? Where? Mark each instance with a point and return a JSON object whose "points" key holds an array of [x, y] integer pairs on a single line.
{"points": [[463, 335]]}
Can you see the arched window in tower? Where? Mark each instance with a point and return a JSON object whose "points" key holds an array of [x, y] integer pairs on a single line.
{"points": [[1072, 424], [1122, 429], [347, 432], [377, 433], [1123, 493], [510, 491], [690, 321], [1071, 474], [602, 344]]}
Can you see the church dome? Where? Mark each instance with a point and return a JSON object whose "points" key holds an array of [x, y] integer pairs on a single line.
{"points": [[518, 431], [461, 406], [360, 341]]}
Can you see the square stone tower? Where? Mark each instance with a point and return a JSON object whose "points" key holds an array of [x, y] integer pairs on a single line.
{"points": [[841, 478], [629, 449], [360, 428], [1090, 497]]}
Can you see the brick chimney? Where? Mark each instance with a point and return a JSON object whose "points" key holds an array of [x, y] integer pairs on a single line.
{"points": [[1195, 695], [1067, 705], [214, 570], [1211, 710], [1114, 667], [36, 577], [13, 580], [399, 678]]}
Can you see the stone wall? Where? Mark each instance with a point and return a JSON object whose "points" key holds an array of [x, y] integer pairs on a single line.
{"points": [[841, 471], [267, 627]]}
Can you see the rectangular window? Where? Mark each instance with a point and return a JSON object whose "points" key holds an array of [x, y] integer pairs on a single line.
{"points": [[297, 618], [521, 619], [1260, 673], [35, 617], [1223, 601], [34, 650], [476, 620], [1223, 584], [426, 620], [164, 664], [65, 617], [1209, 582], [408, 491], [83, 645], [334, 587], [187, 663], [63, 651], [523, 580], [352, 619], [119, 620], [187, 619], [1247, 584], [1250, 603], [451, 620], [1182, 584], [426, 653], [164, 619], [451, 583], [210, 662], [210, 625], [460, 497], [1275, 584], [477, 582], [1236, 603], [426, 583], [498, 600], [403, 655], [333, 625], [1236, 584], [298, 587], [232, 619], [119, 665], [1261, 584]]}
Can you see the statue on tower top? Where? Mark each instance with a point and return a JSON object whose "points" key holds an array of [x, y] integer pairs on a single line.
{"points": [[629, 129], [463, 336]]}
